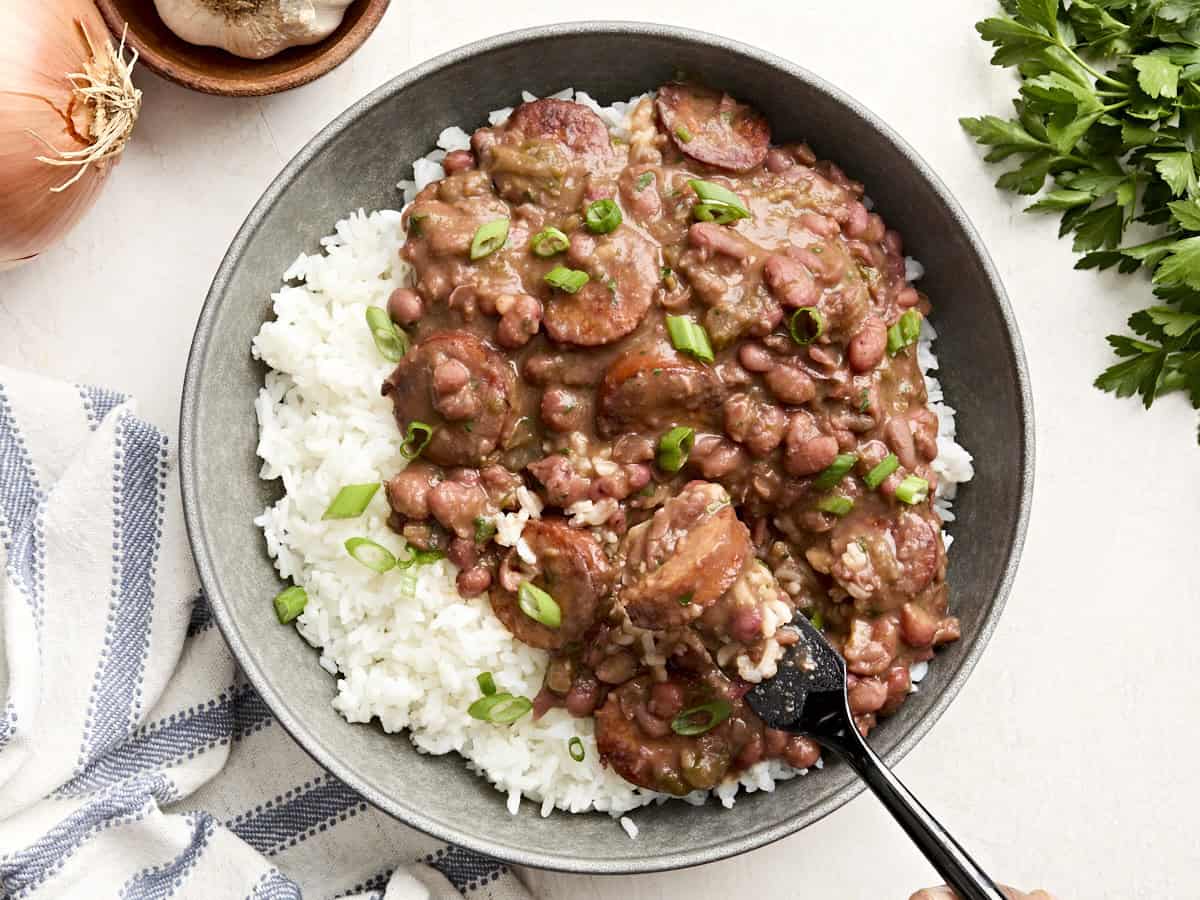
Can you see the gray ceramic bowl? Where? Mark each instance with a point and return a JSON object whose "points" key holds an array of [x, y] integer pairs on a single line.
{"points": [[355, 162]]}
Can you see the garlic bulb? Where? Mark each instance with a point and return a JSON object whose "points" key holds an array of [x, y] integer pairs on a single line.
{"points": [[252, 29]]}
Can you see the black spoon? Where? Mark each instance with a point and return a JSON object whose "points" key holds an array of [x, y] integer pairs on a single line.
{"points": [[808, 696]]}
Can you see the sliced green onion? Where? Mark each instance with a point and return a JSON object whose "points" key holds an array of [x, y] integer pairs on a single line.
{"points": [[644, 181], [289, 603], [408, 585], [420, 558], [683, 133], [689, 337], [390, 339], [575, 748], [489, 238], [806, 325], [674, 447], [487, 684], [351, 501], [370, 554], [912, 490], [548, 242], [878, 474], [602, 216], [485, 530], [831, 476], [685, 599], [817, 620], [717, 204], [836, 504], [416, 439], [904, 332], [564, 279], [713, 713], [499, 708], [539, 605]]}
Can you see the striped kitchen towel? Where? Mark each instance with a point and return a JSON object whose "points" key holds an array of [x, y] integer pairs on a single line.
{"points": [[135, 762]]}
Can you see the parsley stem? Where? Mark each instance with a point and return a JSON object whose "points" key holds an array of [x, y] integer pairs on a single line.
{"points": [[1105, 79]]}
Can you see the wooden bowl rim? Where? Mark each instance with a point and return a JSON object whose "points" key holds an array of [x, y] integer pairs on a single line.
{"points": [[329, 58]]}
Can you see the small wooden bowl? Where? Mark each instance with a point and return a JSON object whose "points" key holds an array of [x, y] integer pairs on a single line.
{"points": [[215, 71]]}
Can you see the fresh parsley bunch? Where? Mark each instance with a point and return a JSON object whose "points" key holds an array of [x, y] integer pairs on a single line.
{"points": [[1109, 110]]}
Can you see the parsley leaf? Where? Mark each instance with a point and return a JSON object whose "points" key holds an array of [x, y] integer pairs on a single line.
{"points": [[1106, 132]]}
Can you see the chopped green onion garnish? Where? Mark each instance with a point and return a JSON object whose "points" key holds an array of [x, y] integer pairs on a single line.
{"points": [[420, 558], [878, 474], [370, 554], [833, 474], [390, 340], [904, 332], [575, 748], [489, 238], [644, 181], [683, 133], [713, 714], [685, 599], [564, 279], [416, 439], [499, 708], [807, 324], [549, 241], [408, 585], [351, 501], [817, 620], [674, 447], [836, 504], [689, 337], [539, 605], [602, 216], [289, 603], [717, 204], [487, 684], [912, 490], [485, 530]]}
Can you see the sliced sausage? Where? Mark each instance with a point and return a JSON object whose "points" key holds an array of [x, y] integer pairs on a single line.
{"points": [[460, 387], [712, 127], [571, 568], [568, 123], [623, 271], [650, 391], [684, 558]]}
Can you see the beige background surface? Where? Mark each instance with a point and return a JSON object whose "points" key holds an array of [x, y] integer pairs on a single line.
{"points": [[1067, 761]]}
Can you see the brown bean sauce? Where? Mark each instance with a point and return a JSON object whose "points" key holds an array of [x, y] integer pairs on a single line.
{"points": [[674, 587]]}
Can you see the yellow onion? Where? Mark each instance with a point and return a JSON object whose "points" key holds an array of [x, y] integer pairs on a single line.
{"points": [[67, 108]]}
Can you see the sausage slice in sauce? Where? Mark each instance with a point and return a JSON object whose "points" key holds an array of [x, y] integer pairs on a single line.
{"points": [[712, 127], [570, 567], [653, 390], [459, 386]]}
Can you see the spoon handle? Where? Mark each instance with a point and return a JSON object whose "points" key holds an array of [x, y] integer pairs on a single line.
{"points": [[952, 862]]}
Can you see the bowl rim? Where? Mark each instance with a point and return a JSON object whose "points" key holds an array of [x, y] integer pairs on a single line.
{"points": [[207, 566], [332, 56]]}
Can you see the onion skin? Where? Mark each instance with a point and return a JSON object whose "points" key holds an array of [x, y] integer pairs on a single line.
{"points": [[42, 42]]}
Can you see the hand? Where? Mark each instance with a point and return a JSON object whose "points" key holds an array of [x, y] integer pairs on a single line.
{"points": [[945, 893]]}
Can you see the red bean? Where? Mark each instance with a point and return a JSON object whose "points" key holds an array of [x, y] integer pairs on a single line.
{"points": [[715, 238], [792, 280], [450, 376], [404, 306], [867, 696], [462, 553], [818, 224], [746, 624], [617, 668], [755, 358], [801, 753], [519, 322], [907, 297], [473, 582], [456, 506], [900, 438], [790, 385], [807, 450], [868, 345], [666, 699], [775, 742], [408, 491], [777, 160], [856, 224], [563, 410], [458, 161], [583, 697]]}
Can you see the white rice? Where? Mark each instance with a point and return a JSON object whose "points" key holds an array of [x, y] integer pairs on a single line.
{"points": [[406, 648]]}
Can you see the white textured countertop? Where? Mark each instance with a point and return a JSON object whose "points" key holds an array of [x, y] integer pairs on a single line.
{"points": [[1066, 762]]}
